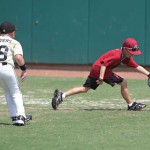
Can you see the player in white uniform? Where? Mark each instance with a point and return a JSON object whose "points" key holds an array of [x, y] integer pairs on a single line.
{"points": [[10, 51]]}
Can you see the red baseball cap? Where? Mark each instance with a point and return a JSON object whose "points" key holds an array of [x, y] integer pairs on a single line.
{"points": [[132, 46]]}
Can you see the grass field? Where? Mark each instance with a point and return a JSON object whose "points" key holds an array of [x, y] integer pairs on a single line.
{"points": [[97, 120]]}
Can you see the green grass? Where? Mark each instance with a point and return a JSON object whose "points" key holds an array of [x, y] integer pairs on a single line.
{"points": [[93, 121]]}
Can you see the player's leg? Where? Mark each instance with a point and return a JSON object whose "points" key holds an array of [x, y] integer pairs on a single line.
{"points": [[14, 97], [113, 79], [7, 83], [8, 98], [59, 96], [126, 95], [125, 92], [90, 83], [75, 90]]}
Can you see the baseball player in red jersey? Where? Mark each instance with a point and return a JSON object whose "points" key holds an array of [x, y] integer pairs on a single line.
{"points": [[11, 50], [101, 71]]}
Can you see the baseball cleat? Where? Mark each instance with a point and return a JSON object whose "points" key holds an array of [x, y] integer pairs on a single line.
{"points": [[136, 106], [21, 120], [28, 118], [18, 120], [57, 99]]}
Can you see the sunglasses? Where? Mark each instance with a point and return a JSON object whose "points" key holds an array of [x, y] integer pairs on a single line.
{"points": [[134, 49]]}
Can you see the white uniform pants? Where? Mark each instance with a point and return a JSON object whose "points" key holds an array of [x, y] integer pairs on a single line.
{"points": [[13, 95]]}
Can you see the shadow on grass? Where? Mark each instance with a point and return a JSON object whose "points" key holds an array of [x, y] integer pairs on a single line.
{"points": [[2, 123], [98, 109], [93, 109], [109, 109]]}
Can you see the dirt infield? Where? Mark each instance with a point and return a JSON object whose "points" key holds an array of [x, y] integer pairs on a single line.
{"points": [[76, 71]]}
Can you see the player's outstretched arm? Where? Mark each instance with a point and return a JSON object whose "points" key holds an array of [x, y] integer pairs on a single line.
{"points": [[143, 70]]}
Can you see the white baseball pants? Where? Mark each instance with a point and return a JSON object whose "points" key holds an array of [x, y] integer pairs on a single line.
{"points": [[13, 95]]}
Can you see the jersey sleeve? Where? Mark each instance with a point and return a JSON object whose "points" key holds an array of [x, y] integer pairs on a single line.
{"points": [[18, 49], [131, 63]]}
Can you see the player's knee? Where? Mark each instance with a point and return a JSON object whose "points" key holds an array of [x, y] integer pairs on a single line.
{"points": [[124, 84], [85, 89]]}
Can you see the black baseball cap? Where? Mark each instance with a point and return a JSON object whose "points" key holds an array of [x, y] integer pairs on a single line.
{"points": [[7, 27]]}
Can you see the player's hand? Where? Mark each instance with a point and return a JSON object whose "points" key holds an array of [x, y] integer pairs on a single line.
{"points": [[99, 81], [23, 75]]}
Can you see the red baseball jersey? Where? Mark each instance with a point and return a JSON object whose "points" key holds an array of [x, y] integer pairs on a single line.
{"points": [[111, 59]]}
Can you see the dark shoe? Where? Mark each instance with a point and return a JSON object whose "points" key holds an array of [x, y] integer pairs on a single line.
{"points": [[18, 120], [57, 99], [28, 118], [136, 106]]}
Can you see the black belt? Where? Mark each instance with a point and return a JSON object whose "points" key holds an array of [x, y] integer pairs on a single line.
{"points": [[4, 63]]}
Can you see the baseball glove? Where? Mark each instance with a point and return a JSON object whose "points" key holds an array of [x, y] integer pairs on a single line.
{"points": [[148, 81]]}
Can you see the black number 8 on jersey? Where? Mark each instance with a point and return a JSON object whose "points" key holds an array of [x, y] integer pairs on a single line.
{"points": [[3, 52]]}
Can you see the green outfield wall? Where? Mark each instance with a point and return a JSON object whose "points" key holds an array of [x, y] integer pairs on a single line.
{"points": [[77, 31]]}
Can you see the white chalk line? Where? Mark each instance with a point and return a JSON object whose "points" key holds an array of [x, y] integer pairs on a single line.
{"points": [[77, 102]]}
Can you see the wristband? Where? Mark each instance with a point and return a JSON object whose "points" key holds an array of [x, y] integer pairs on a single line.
{"points": [[23, 67], [149, 75]]}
